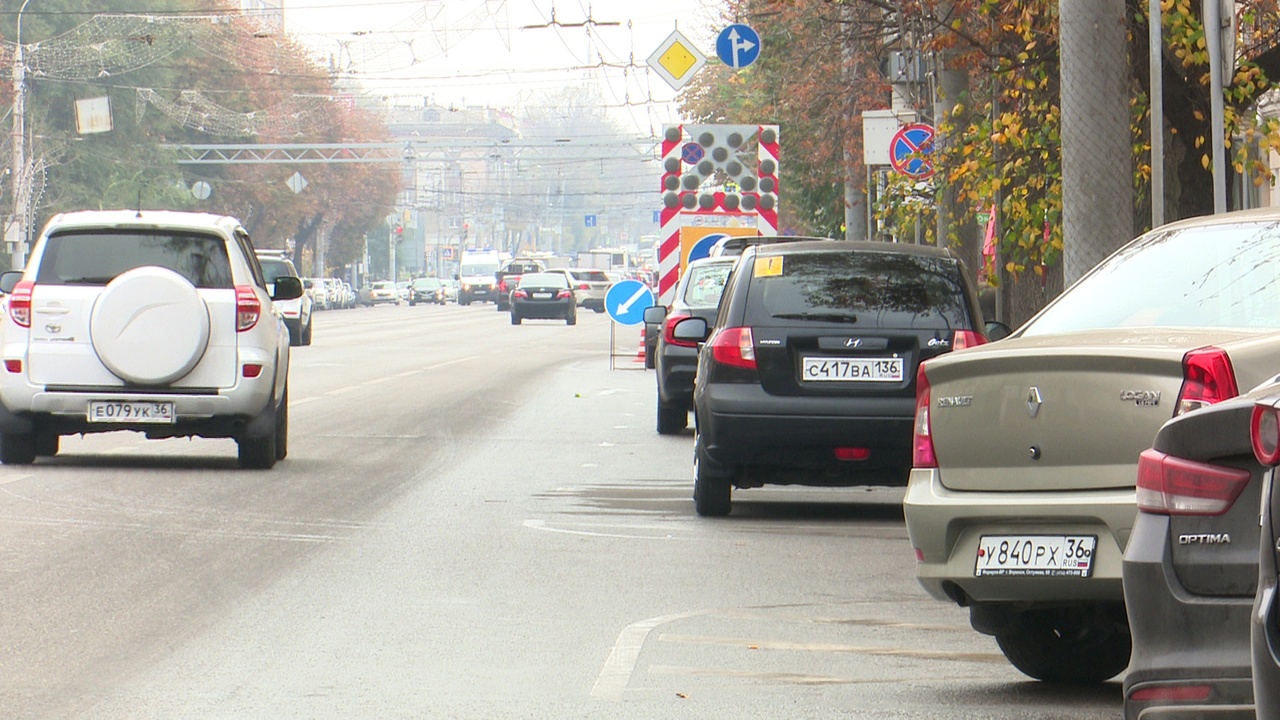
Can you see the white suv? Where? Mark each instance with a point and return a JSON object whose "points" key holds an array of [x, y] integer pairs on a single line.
{"points": [[157, 322], [297, 312]]}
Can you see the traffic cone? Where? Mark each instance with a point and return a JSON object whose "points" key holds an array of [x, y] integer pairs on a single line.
{"points": [[640, 351]]}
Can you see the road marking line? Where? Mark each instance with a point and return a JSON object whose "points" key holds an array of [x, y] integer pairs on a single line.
{"points": [[833, 648], [777, 677], [616, 673], [542, 525]]}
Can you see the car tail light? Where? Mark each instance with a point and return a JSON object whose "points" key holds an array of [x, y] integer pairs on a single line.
{"points": [[13, 366], [922, 455], [967, 339], [248, 308], [1264, 434], [669, 327], [502, 285], [20, 303], [1171, 693], [522, 294], [561, 295], [1169, 485], [252, 370], [1207, 378], [734, 347], [584, 286], [852, 453]]}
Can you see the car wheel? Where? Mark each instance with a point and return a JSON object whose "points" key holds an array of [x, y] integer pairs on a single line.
{"points": [[571, 318], [712, 493], [671, 420], [306, 334], [46, 443], [282, 426], [295, 336], [17, 448], [515, 319], [1069, 645], [411, 303], [258, 453], [598, 308]]}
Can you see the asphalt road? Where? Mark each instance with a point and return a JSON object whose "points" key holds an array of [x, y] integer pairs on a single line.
{"points": [[474, 521]]}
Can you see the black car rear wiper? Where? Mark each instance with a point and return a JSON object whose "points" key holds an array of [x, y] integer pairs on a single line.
{"points": [[826, 317]]}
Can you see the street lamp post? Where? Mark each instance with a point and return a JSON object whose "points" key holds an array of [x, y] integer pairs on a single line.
{"points": [[16, 236]]}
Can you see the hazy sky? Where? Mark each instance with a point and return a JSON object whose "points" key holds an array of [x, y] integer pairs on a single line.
{"points": [[489, 52]]}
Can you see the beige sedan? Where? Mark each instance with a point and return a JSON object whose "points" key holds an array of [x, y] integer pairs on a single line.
{"points": [[1022, 496]]}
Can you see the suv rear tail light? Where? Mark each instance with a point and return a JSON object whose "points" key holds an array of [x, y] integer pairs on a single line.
{"points": [[584, 286], [1169, 485], [1207, 378], [734, 347], [669, 328], [248, 308], [1264, 434], [967, 339], [922, 455], [20, 303]]}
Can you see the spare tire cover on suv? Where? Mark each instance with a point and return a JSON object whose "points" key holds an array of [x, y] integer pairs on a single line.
{"points": [[149, 326]]}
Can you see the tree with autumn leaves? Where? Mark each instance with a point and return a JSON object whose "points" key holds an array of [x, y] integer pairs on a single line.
{"points": [[998, 125], [233, 68]]}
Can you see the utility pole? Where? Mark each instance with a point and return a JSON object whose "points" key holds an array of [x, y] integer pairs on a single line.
{"points": [[16, 234]]}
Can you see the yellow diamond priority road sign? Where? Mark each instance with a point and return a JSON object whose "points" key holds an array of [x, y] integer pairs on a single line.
{"points": [[677, 60]]}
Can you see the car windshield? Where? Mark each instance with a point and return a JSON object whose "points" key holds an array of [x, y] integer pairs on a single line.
{"points": [[706, 284], [426, 284], [384, 286], [95, 257], [475, 269], [544, 280], [871, 289], [272, 269], [1223, 276]]}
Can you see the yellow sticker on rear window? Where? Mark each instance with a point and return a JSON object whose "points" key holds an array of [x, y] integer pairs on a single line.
{"points": [[769, 266]]}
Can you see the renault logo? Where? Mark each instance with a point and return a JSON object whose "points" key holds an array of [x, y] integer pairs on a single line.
{"points": [[1034, 401]]}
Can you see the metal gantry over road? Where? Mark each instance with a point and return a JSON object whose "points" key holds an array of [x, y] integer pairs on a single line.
{"points": [[443, 148]]}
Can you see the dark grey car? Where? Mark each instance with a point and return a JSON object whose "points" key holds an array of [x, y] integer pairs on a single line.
{"points": [[1265, 612], [676, 360], [1191, 567]]}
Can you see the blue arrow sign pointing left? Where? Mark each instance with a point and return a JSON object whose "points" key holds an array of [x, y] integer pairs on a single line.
{"points": [[738, 46]]}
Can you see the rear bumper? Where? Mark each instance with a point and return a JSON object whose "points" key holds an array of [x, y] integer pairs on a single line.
{"points": [[744, 428], [944, 527], [1181, 639], [543, 310]]}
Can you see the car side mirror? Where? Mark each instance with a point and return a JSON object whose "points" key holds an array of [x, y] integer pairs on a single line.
{"points": [[692, 329], [997, 330], [287, 288], [9, 280], [655, 314]]}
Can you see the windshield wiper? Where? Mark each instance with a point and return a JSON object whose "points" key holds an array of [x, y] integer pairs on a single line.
{"points": [[826, 317]]}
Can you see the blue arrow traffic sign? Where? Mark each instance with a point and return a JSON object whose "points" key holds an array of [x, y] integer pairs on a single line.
{"points": [[738, 45], [627, 300]]}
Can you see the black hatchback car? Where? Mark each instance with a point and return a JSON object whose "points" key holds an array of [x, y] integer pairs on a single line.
{"points": [[809, 376], [543, 295]]}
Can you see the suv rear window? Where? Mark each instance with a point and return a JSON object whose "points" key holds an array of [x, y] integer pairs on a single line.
{"points": [[591, 276], [875, 289], [95, 257]]}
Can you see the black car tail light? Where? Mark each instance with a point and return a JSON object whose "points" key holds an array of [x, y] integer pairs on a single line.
{"points": [[922, 455], [563, 294], [734, 347], [522, 294], [1169, 485], [1264, 434], [669, 328], [1207, 378]]}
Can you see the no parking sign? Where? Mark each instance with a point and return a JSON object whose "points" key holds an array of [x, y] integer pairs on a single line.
{"points": [[911, 150]]}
